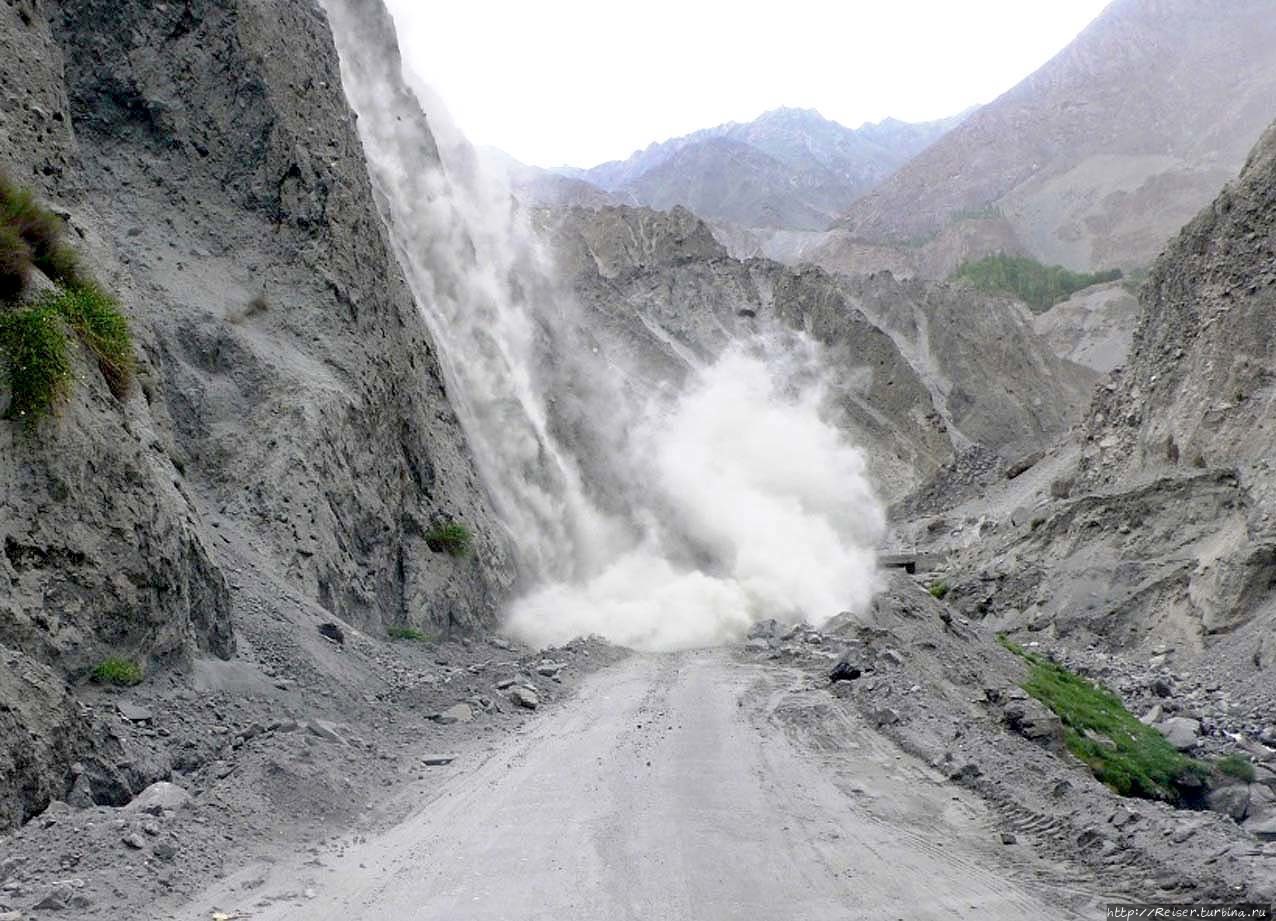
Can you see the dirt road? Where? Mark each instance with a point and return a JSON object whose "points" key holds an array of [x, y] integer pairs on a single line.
{"points": [[672, 787]]}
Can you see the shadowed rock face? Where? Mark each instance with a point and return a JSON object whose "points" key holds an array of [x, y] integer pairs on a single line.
{"points": [[205, 155]]}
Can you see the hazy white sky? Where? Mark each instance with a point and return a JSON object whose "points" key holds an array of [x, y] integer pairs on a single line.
{"points": [[582, 81]]}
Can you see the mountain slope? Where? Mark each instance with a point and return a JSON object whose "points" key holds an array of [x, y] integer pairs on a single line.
{"points": [[789, 168], [1098, 157]]}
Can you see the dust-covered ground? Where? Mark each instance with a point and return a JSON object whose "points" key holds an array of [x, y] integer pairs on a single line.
{"points": [[675, 786], [291, 749]]}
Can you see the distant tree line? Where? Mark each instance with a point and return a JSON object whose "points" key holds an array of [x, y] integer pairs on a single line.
{"points": [[1039, 286]]}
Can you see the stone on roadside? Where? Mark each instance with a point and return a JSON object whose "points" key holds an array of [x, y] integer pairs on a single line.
{"points": [[847, 668], [134, 840], [884, 716], [1036, 722], [1231, 801], [765, 629], [457, 713], [324, 730], [134, 713], [1180, 732], [333, 633], [158, 798], [437, 760], [1262, 824], [525, 698]]}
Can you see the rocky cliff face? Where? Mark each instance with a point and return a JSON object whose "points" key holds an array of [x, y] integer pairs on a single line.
{"points": [[289, 421], [924, 372], [1154, 527]]}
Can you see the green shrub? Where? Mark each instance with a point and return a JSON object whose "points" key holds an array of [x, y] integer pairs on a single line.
{"points": [[119, 672], [15, 263], [33, 344], [1039, 286], [31, 234], [1237, 766], [450, 537], [407, 633], [97, 320], [938, 589], [1131, 758]]}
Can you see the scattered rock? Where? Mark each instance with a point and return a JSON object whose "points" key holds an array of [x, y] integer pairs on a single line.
{"points": [[549, 669], [1024, 464], [158, 798], [135, 841], [1035, 721], [1121, 817], [890, 656], [525, 698], [1231, 801], [325, 730], [457, 713], [1008, 838], [57, 900], [1262, 824], [164, 850], [847, 668], [437, 760], [1180, 732], [765, 629], [884, 716], [134, 713], [333, 632]]}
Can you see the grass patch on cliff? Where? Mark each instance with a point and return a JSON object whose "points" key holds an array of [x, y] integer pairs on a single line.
{"points": [[30, 235], [1131, 758], [118, 672], [938, 589], [98, 321], [450, 537], [1039, 286], [408, 633], [33, 344]]}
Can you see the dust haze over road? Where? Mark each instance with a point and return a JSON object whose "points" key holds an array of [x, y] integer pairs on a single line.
{"points": [[672, 786]]}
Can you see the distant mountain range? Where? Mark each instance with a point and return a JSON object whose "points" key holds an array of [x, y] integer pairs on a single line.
{"points": [[787, 169], [1099, 157]]}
